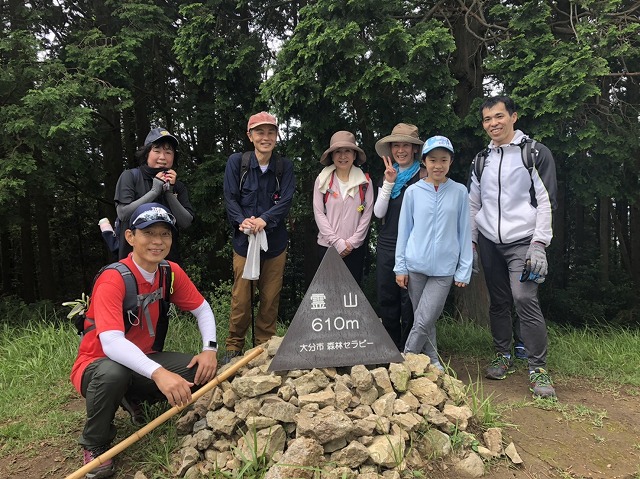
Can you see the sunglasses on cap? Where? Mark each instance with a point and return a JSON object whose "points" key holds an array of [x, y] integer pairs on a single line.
{"points": [[153, 216]]}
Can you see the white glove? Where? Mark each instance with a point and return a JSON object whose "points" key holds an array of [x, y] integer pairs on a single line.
{"points": [[538, 257]]}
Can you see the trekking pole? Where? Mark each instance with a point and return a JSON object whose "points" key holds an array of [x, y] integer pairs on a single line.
{"points": [[118, 448], [253, 318]]}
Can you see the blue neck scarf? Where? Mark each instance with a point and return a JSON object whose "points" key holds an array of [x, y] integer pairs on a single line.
{"points": [[403, 177]]}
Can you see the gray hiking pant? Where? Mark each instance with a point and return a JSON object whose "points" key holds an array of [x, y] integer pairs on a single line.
{"points": [[106, 382], [503, 264], [428, 295]]}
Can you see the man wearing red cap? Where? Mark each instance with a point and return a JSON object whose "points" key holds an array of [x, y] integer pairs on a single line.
{"points": [[258, 190]]}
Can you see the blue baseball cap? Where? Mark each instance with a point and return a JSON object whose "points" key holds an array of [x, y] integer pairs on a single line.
{"points": [[158, 134], [149, 214], [437, 142]]}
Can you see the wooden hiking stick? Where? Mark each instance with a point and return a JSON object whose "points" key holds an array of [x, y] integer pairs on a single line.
{"points": [[118, 448]]}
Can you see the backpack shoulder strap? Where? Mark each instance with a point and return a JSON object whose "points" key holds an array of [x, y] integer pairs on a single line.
{"points": [[477, 164], [529, 154], [279, 166], [363, 188], [130, 302], [244, 167], [279, 169], [166, 283], [166, 280]]}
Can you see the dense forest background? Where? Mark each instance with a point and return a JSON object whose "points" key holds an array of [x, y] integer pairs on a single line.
{"points": [[83, 81]]}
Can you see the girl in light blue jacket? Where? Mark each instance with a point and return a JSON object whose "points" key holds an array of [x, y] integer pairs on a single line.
{"points": [[434, 245]]}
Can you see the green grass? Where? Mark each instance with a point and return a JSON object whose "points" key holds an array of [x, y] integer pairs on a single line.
{"points": [[591, 353], [36, 357]]}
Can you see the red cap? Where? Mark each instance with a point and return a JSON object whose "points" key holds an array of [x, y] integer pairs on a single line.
{"points": [[262, 118]]}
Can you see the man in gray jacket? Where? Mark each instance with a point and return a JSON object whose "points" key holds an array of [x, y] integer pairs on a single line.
{"points": [[511, 208]]}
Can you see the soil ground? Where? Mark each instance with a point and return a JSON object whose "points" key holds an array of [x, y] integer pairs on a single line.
{"points": [[593, 431]]}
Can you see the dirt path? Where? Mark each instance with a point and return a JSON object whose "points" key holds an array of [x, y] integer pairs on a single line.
{"points": [[592, 432]]}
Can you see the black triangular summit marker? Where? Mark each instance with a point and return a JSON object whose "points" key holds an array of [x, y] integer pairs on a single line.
{"points": [[335, 325]]}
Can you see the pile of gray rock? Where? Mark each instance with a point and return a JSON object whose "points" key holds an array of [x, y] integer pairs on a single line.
{"points": [[336, 423]]}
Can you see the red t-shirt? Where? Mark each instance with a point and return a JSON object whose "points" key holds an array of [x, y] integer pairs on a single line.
{"points": [[106, 309]]}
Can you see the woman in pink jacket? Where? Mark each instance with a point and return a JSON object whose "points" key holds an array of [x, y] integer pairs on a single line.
{"points": [[343, 202]]}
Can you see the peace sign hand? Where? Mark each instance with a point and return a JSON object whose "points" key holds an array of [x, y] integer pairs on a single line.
{"points": [[390, 173]]}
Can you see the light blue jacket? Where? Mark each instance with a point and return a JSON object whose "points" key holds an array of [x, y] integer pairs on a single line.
{"points": [[434, 232]]}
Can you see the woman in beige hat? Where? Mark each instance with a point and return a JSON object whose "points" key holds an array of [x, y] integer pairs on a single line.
{"points": [[343, 202], [400, 152]]}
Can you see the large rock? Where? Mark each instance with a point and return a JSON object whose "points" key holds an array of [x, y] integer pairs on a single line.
{"points": [[325, 425], [313, 381], [222, 421], [351, 456], [265, 442], [458, 415], [280, 411], [426, 391], [387, 451], [252, 386], [299, 461], [470, 466]]}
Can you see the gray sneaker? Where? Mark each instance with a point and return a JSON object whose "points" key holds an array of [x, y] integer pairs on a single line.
{"points": [[500, 367], [541, 385]]}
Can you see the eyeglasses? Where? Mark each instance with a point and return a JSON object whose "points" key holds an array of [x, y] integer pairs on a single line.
{"points": [[155, 214]]}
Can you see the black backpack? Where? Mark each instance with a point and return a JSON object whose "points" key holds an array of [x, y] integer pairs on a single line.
{"points": [[244, 167], [134, 305]]}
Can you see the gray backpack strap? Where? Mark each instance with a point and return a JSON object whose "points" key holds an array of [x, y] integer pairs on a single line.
{"points": [[529, 154], [478, 162]]}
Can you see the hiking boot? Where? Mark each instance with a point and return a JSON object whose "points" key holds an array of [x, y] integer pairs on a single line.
{"points": [[106, 469], [228, 356], [540, 384], [499, 367], [520, 352], [134, 408]]}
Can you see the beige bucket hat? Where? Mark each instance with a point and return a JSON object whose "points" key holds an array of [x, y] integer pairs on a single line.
{"points": [[401, 133], [343, 139]]}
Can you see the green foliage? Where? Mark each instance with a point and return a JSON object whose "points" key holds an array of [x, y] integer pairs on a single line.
{"points": [[80, 85]]}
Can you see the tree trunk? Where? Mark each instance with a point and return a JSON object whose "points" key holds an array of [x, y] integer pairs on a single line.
{"points": [[111, 141], [621, 235], [603, 236], [634, 243], [6, 266], [559, 250], [26, 245], [472, 302], [46, 283]]}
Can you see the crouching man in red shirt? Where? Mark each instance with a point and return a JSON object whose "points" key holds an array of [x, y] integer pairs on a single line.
{"points": [[124, 365]]}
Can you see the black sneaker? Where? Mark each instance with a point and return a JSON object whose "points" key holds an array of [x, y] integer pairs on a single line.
{"points": [[134, 408], [106, 469], [228, 356], [541, 385], [500, 367]]}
